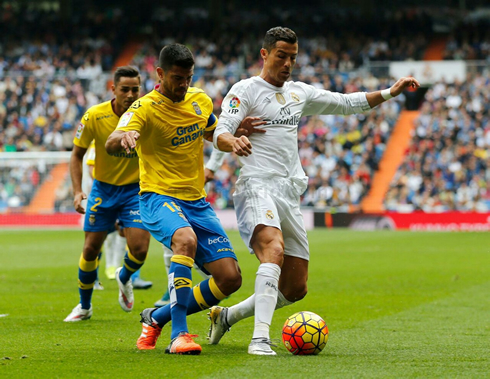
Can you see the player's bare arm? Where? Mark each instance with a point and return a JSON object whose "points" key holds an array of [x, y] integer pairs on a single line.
{"points": [[208, 175], [120, 140], [377, 97], [249, 125], [76, 161], [239, 143], [241, 146]]}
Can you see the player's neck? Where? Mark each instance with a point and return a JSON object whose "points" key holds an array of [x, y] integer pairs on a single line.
{"points": [[161, 90], [119, 111], [269, 80]]}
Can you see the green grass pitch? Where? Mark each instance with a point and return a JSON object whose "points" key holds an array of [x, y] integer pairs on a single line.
{"points": [[398, 305]]}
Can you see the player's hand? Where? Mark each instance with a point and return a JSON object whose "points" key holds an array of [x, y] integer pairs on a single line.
{"points": [[128, 140], [402, 84], [77, 202], [242, 147], [249, 125], [208, 175]]}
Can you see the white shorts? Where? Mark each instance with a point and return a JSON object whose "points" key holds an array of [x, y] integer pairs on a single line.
{"points": [[263, 202]]}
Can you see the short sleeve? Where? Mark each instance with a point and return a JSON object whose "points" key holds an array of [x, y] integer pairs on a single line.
{"points": [[134, 118], [85, 131]]}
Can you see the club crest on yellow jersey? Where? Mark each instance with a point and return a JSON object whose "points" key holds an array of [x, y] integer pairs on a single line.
{"points": [[196, 108]]}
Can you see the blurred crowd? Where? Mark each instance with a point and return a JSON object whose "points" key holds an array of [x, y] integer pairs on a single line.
{"points": [[50, 76], [447, 166]]}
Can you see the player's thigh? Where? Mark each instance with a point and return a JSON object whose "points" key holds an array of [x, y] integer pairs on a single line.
{"points": [[161, 216], [294, 232], [128, 207], [102, 206], [254, 207], [212, 241], [294, 277]]}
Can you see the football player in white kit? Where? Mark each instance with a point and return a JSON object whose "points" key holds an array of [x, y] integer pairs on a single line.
{"points": [[267, 194]]}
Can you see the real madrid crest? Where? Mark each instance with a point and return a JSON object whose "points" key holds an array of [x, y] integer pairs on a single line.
{"points": [[269, 215], [280, 98], [196, 108]]}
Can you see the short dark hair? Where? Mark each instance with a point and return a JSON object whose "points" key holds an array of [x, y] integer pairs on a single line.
{"points": [[175, 54], [279, 33], [125, 71]]}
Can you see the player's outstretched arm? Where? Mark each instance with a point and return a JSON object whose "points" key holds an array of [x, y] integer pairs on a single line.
{"points": [[377, 97], [120, 140], [76, 170]]}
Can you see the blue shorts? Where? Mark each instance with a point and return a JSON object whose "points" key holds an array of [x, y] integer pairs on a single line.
{"points": [[108, 203], [163, 215]]}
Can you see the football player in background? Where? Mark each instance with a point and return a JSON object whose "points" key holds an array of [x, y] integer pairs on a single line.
{"points": [[115, 244], [114, 194]]}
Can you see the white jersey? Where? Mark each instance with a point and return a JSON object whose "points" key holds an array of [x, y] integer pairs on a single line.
{"points": [[275, 153]]}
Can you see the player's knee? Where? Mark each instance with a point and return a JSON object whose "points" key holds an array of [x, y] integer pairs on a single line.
{"points": [[295, 294], [139, 251], [90, 252], [229, 283], [274, 253], [184, 243]]}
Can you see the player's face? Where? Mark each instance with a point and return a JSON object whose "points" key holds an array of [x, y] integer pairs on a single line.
{"points": [[127, 90], [175, 82], [279, 62]]}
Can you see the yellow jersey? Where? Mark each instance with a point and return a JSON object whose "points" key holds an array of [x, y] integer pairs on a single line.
{"points": [[90, 154], [170, 146], [96, 125]]}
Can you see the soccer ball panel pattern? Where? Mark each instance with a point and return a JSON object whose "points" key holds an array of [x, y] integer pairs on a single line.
{"points": [[305, 333]]}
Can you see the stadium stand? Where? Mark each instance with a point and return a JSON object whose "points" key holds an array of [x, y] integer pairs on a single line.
{"points": [[447, 165], [49, 79]]}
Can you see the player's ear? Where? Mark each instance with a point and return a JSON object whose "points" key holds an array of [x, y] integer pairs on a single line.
{"points": [[264, 53], [160, 74]]}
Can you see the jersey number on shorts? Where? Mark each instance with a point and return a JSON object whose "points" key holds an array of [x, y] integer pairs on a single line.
{"points": [[172, 208], [98, 201]]}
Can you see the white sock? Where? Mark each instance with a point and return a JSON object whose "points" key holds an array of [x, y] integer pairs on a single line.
{"points": [[282, 301], [266, 283], [246, 308], [167, 256], [119, 250], [108, 249], [241, 310]]}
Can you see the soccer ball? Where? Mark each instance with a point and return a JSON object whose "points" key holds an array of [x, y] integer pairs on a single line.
{"points": [[305, 333]]}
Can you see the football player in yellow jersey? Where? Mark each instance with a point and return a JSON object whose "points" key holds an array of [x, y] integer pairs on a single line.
{"points": [[114, 194], [167, 127], [115, 244]]}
